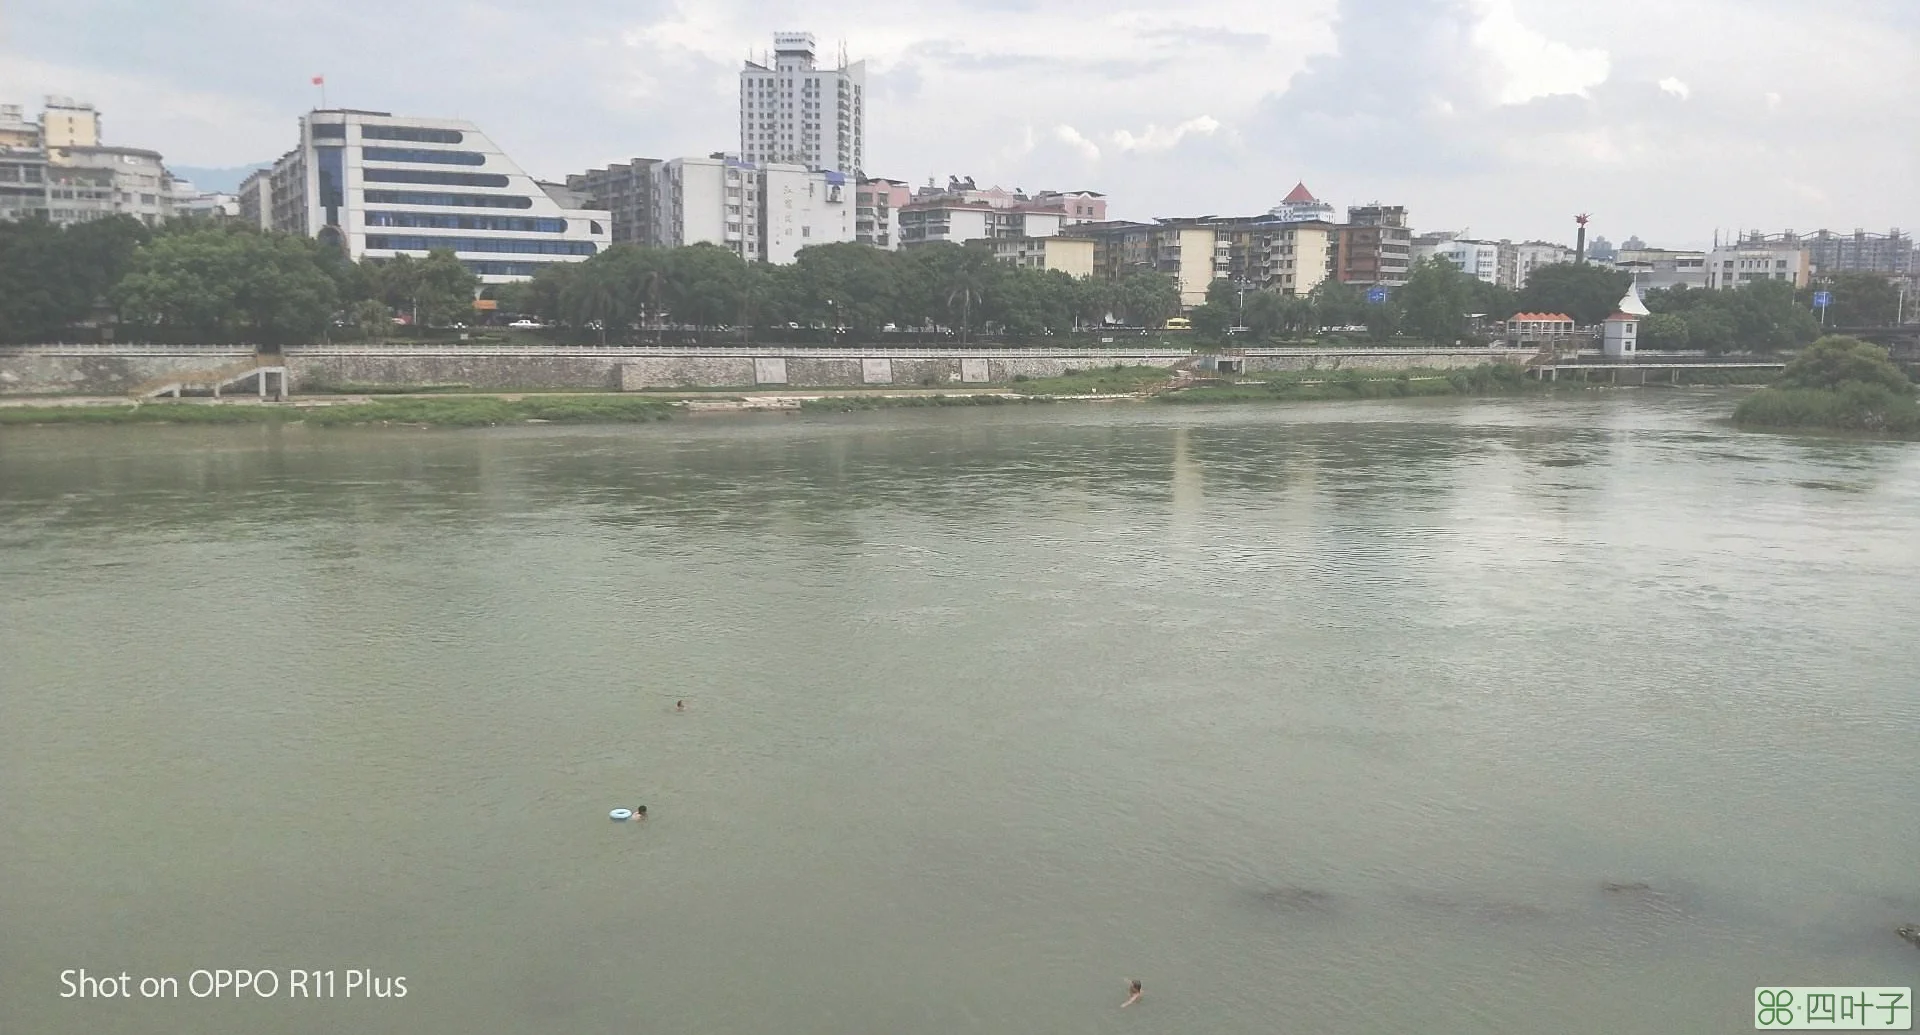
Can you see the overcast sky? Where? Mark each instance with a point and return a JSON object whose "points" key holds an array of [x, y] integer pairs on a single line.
{"points": [[1664, 118]]}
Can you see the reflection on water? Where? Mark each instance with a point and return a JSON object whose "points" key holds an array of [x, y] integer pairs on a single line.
{"points": [[1514, 716]]}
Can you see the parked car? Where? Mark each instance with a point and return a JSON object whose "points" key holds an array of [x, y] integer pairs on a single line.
{"points": [[527, 324]]}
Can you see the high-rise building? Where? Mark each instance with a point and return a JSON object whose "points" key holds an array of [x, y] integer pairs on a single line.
{"points": [[380, 186], [256, 199], [1732, 266], [59, 168], [1374, 246], [626, 191], [1890, 253], [1477, 259], [761, 213], [794, 113]]}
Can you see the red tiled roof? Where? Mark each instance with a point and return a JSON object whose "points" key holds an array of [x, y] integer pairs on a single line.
{"points": [[1621, 316], [1538, 317], [1298, 194]]}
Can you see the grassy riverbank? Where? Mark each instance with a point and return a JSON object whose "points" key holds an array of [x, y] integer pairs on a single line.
{"points": [[460, 412], [850, 403], [1336, 385]]}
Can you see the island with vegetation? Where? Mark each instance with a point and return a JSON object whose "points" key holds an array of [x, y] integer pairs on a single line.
{"points": [[1837, 383]]}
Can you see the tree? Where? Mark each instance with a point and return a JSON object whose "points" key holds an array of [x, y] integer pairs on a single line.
{"points": [[1836, 361], [702, 284], [1584, 291], [54, 278], [433, 292], [846, 285], [1664, 331], [1434, 300], [1858, 299], [1211, 320], [1336, 303], [1767, 317], [1709, 328], [216, 284], [1147, 298]]}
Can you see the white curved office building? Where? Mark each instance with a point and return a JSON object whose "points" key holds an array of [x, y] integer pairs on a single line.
{"points": [[383, 185]]}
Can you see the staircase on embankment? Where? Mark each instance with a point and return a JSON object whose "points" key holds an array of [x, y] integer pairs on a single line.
{"points": [[263, 368]]}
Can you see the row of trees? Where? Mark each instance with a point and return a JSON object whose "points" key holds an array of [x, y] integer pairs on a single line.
{"points": [[852, 287], [210, 282]]}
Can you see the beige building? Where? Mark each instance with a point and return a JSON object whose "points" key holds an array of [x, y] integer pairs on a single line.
{"points": [[69, 123], [1070, 255], [1734, 266]]}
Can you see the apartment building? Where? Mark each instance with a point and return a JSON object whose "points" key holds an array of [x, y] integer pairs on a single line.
{"points": [[1732, 266], [1070, 255], [876, 212], [626, 191], [761, 213], [379, 185], [793, 112], [1374, 246]]}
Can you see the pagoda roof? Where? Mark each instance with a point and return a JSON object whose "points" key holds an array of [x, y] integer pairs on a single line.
{"points": [[1298, 194]]}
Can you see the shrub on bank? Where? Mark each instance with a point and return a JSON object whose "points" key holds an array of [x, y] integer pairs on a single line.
{"points": [[1837, 382]]}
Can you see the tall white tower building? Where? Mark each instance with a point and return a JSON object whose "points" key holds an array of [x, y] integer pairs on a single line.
{"points": [[794, 113]]}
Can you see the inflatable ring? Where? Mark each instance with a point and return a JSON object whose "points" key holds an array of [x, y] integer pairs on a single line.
{"points": [[620, 814]]}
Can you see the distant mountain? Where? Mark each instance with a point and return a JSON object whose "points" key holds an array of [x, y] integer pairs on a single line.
{"points": [[224, 181]]}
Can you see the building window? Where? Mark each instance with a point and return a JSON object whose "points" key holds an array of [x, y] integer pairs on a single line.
{"points": [[402, 197], [451, 179], [329, 131], [454, 221], [414, 154], [417, 134], [401, 243]]}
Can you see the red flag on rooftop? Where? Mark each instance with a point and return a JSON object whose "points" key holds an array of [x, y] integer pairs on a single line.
{"points": [[319, 80]]}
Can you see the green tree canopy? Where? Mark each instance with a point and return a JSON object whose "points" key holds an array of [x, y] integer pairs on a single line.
{"points": [[1664, 331], [1584, 291], [1836, 361], [217, 284], [54, 278], [435, 291], [1434, 300], [1856, 299]]}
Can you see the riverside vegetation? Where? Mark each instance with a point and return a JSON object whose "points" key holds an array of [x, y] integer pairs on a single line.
{"points": [[217, 282], [1838, 383], [469, 411]]}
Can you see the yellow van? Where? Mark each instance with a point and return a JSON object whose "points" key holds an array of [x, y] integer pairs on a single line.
{"points": [[1179, 323]]}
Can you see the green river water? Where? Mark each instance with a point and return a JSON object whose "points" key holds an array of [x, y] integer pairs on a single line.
{"points": [[1322, 718]]}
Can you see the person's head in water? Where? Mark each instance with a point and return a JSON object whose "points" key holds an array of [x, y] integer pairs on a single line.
{"points": [[679, 706], [1133, 987], [640, 812]]}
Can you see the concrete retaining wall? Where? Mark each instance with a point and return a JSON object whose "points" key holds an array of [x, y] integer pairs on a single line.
{"points": [[104, 371], [52, 374]]}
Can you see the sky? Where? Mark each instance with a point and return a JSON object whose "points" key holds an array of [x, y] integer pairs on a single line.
{"points": [[1665, 119]]}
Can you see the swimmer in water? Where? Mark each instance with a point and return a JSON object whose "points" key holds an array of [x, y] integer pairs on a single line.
{"points": [[679, 706], [1133, 994], [640, 812]]}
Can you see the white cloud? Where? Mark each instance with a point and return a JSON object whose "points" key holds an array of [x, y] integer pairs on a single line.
{"points": [[1072, 138], [1676, 87], [1533, 64], [1154, 138], [1773, 100]]}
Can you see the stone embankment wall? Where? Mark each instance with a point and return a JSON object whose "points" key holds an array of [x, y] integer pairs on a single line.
{"points": [[110, 370], [51, 372]]}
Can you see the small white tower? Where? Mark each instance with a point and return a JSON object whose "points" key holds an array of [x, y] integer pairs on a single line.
{"points": [[1620, 335]]}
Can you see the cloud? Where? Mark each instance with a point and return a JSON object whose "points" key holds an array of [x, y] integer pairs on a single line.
{"points": [[1532, 65], [1675, 87], [1072, 138], [1503, 115], [1153, 138]]}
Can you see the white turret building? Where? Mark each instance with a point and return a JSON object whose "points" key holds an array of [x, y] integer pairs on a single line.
{"points": [[1620, 334]]}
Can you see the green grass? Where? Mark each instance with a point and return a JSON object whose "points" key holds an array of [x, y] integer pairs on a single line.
{"points": [[1334, 385], [1114, 380], [850, 403], [1851, 407], [461, 412]]}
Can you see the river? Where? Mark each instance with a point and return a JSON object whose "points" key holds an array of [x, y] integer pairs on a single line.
{"points": [[1317, 718]]}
